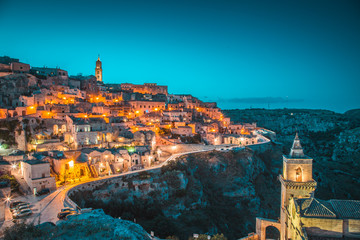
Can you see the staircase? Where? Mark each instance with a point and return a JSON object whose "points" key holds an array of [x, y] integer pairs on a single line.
{"points": [[112, 169], [93, 171]]}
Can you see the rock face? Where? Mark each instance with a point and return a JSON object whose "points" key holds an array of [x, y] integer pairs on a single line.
{"points": [[212, 192], [95, 225]]}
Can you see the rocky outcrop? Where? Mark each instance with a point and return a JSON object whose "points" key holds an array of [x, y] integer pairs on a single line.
{"points": [[95, 225]]}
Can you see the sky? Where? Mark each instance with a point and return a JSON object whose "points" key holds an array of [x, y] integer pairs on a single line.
{"points": [[241, 54]]}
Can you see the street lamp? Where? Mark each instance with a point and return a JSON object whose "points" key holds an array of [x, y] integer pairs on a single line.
{"points": [[7, 199]]}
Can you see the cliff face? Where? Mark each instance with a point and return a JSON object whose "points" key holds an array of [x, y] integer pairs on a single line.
{"points": [[213, 192]]}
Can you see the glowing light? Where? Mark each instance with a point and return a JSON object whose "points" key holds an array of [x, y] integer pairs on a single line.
{"points": [[71, 163], [7, 199], [174, 147], [31, 107], [13, 166], [156, 109], [137, 112], [64, 98], [104, 115]]}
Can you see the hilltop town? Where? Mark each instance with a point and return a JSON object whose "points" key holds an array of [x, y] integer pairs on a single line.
{"points": [[69, 144], [78, 126], [57, 130]]}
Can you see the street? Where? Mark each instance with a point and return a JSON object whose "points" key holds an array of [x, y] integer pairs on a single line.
{"points": [[45, 208]]}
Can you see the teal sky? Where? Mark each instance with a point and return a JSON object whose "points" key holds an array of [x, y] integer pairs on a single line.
{"points": [[239, 53]]}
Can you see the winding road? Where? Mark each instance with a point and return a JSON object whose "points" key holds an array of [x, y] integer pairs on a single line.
{"points": [[46, 208]]}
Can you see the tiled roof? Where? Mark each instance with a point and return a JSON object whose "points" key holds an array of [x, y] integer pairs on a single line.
{"points": [[312, 207], [346, 209], [341, 209]]}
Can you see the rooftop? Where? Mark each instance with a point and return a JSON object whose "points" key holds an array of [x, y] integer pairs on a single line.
{"points": [[341, 209], [35, 162]]}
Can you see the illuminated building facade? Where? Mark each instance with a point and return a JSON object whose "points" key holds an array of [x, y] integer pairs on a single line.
{"points": [[98, 70]]}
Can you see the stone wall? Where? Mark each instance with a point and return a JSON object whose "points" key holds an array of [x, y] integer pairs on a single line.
{"points": [[261, 146], [323, 227]]}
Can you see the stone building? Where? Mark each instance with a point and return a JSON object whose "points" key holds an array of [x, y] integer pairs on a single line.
{"points": [[86, 131], [182, 131], [36, 174], [69, 165], [49, 72], [146, 88], [302, 216], [241, 140], [143, 107]]}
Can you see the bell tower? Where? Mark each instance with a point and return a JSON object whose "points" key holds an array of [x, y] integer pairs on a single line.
{"points": [[296, 181], [98, 70]]}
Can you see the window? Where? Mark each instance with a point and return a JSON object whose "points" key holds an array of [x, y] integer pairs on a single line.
{"points": [[298, 174]]}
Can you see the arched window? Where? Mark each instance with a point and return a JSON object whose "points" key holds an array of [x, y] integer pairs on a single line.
{"points": [[298, 174]]}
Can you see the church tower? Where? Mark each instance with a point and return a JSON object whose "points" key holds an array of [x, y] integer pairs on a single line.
{"points": [[296, 181], [98, 70]]}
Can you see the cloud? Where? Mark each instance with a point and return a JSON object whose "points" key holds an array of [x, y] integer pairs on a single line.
{"points": [[260, 100]]}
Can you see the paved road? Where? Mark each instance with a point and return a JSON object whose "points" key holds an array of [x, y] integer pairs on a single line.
{"points": [[46, 208]]}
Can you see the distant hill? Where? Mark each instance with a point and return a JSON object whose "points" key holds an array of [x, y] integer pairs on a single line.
{"points": [[354, 113]]}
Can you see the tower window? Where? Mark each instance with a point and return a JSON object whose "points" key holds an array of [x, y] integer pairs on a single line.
{"points": [[298, 174]]}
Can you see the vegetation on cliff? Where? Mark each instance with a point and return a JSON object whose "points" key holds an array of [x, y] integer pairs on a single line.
{"points": [[331, 139], [208, 193]]}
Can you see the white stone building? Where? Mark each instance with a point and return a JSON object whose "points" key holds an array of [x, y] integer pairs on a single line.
{"points": [[36, 173]]}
